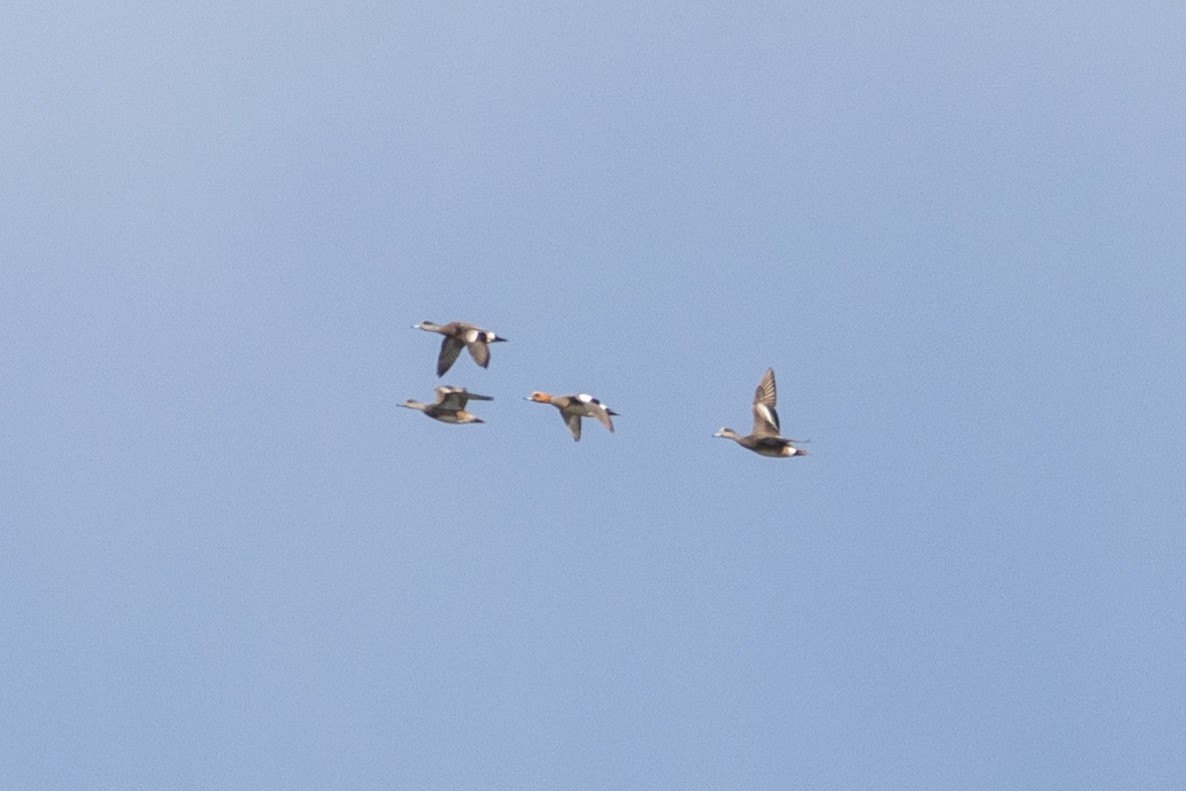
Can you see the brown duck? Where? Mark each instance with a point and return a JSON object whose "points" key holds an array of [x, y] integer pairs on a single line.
{"points": [[574, 407], [450, 405]]}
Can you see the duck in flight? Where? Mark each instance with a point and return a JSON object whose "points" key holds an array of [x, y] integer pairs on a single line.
{"points": [[450, 405], [766, 438], [459, 335], [574, 407]]}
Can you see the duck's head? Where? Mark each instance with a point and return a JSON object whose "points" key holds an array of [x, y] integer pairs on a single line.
{"points": [[724, 431], [411, 404], [540, 397]]}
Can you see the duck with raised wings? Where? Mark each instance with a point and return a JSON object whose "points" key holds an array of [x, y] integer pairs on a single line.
{"points": [[766, 437]]}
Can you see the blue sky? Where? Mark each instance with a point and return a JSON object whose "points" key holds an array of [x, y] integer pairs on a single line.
{"points": [[956, 233]]}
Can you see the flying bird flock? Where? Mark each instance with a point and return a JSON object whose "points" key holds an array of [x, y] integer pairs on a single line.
{"points": [[450, 404]]}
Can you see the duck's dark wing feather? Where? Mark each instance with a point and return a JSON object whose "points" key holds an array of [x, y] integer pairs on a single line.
{"points": [[450, 348]]}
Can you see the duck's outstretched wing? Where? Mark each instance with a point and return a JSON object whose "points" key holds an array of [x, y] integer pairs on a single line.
{"points": [[601, 413], [455, 398], [479, 351], [765, 400], [450, 348], [574, 425]]}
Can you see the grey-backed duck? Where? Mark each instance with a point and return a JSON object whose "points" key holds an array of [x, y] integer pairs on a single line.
{"points": [[574, 407], [766, 437], [450, 405], [459, 335]]}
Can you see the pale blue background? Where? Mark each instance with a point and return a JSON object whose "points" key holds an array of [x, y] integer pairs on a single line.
{"points": [[957, 232]]}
